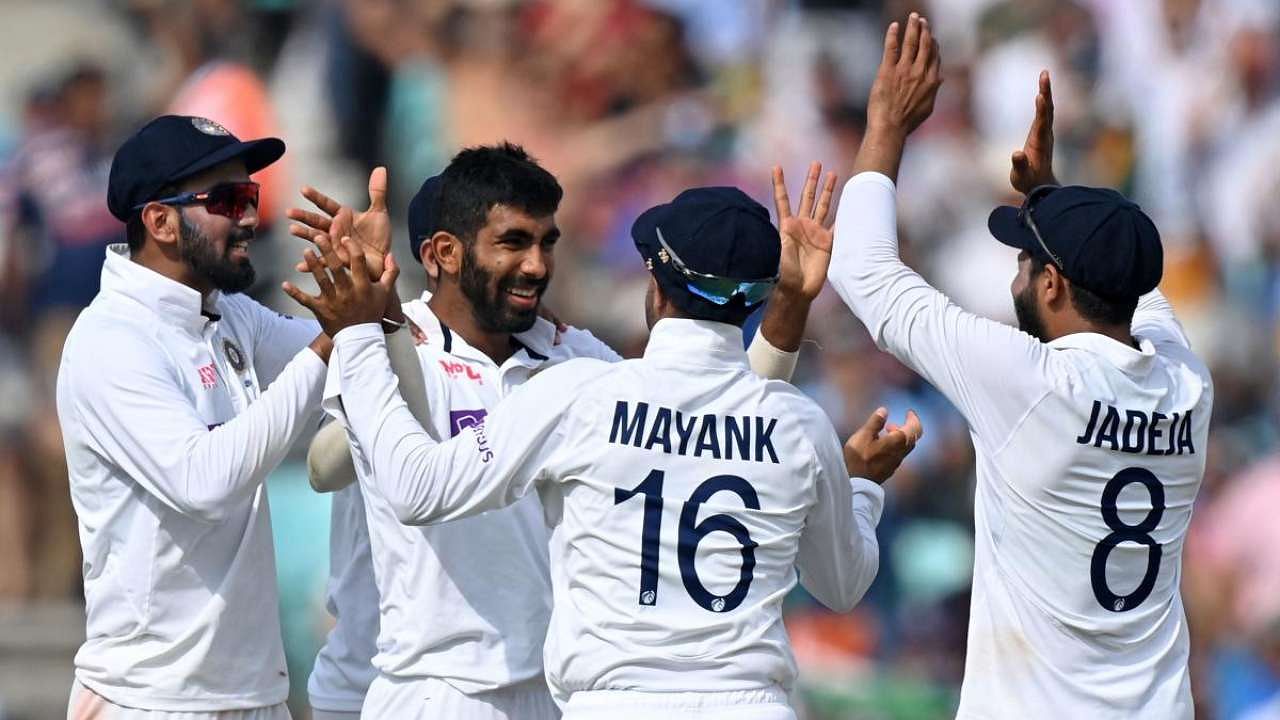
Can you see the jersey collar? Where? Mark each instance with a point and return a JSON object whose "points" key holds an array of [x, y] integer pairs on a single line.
{"points": [[172, 301], [1131, 360], [534, 345], [697, 342]]}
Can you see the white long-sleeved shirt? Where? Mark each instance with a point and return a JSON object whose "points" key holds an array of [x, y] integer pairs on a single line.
{"points": [[439, 615], [683, 492], [1090, 453], [169, 435]]}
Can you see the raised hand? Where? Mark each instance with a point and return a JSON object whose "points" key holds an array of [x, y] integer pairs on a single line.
{"points": [[902, 95], [1032, 166], [878, 447], [807, 236], [370, 229], [349, 295]]}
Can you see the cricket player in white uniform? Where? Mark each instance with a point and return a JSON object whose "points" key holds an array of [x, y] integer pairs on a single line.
{"points": [[445, 633], [660, 605], [177, 396], [1089, 422]]}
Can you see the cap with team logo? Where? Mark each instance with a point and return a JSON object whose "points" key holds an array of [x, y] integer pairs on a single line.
{"points": [[1098, 238], [709, 246], [171, 148], [424, 214]]}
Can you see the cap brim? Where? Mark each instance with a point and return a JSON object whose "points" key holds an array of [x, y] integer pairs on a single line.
{"points": [[256, 154], [1008, 229]]}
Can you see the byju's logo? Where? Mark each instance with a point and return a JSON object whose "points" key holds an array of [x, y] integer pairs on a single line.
{"points": [[460, 420]]}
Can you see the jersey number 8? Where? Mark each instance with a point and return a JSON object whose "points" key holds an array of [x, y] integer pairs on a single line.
{"points": [[691, 533], [1120, 532]]}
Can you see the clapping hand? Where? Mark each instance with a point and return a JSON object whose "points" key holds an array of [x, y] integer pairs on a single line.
{"points": [[878, 447], [806, 236], [349, 294], [371, 229]]}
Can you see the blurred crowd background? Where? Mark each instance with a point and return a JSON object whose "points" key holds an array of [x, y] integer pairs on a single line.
{"points": [[1176, 102]]}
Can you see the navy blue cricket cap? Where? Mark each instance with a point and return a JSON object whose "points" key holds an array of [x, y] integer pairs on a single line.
{"points": [[172, 148], [424, 214], [1098, 238], [716, 231]]}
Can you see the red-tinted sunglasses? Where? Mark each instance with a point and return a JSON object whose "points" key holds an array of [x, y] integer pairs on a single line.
{"points": [[229, 200]]}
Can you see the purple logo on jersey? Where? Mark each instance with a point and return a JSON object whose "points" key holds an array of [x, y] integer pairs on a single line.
{"points": [[460, 420]]}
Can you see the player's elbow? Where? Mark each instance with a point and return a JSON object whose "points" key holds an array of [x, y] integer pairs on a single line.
{"points": [[205, 508], [847, 591], [407, 512]]}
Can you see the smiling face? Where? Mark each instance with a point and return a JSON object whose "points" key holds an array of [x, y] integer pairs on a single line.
{"points": [[506, 268], [216, 248]]}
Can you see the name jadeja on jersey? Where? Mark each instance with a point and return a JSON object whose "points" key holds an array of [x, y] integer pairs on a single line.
{"points": [[1144, 433]]}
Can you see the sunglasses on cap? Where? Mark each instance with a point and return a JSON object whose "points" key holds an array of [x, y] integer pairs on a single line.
{"points": [[715, 288], [230, 200], [1025, 216]]}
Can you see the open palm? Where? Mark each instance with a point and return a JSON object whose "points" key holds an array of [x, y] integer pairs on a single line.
{"points": [[807, 235], [370, 229]]}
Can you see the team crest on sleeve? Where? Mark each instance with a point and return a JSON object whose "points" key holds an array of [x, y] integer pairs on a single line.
{"points": [[234, 355], [209, 127]]}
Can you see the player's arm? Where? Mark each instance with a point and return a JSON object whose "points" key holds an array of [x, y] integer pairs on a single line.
{"points": [[136, 415], [487, 466], [330, 466], [984, 367], [839, 555]]}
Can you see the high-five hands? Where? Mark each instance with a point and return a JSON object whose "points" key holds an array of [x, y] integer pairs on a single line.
{"points": [[902, 95], [878, 447], [349, 294], [370, 229], [807, 236], [1032, 166]]}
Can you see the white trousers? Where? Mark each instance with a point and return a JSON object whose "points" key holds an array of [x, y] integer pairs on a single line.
{"points": [[764, 704], [432, 699], [317, 714], [86, 704]]}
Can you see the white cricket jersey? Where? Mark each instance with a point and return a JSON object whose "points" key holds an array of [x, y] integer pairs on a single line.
{"points": [[1089, 456], [169, 435], [683, 491], [344, 668], [466, 602]]}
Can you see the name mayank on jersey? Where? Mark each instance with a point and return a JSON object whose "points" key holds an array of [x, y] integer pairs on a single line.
{"points": [[703, 436]]}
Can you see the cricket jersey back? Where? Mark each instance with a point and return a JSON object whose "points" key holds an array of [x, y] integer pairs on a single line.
{"points": [[686, 492], [1081, 516]]}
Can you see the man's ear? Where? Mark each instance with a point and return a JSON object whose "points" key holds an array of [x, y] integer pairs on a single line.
{"points": [[1055, 285], [162, 223], [448, 251]]}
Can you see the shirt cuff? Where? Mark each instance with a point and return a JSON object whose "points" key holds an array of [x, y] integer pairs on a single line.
{"points": [[357, 333], [871, 176], [867, 495]]}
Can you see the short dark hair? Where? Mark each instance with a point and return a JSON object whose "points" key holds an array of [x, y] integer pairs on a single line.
{"points": [[479, 178], [135, 231], [1092, 306], [735, 312]]}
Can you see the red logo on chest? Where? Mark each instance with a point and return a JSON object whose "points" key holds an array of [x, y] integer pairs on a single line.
{"points": [[208, 376], [458, 370]]}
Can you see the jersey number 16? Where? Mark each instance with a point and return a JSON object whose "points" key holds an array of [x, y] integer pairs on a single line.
{"points": [[691, 533]]}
